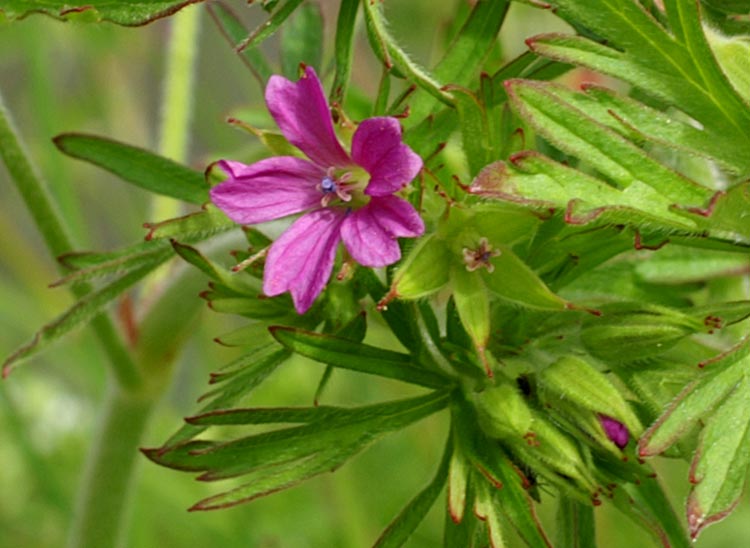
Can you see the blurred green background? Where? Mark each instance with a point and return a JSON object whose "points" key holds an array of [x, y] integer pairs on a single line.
{"points": [[107, 80]]}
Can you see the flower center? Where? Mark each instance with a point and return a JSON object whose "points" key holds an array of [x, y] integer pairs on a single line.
{"points": [[480, 257], [344, 186], [328, 185]]}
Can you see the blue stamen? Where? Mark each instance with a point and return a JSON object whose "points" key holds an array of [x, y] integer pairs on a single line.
{"points": [[328, 185]]}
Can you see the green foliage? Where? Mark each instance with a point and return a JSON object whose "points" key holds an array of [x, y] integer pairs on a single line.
{"points": [[130, 13], [137, 166], [578, 304]]}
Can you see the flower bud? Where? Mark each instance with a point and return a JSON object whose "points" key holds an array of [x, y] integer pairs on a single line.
{"points": [[586, 400], [503, 412], [615, 430], [628, 332]]}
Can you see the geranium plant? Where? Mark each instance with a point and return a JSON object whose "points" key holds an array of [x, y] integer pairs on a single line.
{"points": [[549, 252]]}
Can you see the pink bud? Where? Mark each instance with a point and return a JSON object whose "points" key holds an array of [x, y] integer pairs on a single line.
{"points": [[615, 430]]}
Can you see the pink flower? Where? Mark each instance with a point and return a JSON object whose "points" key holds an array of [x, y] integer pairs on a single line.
{"points": [[345, 197]]}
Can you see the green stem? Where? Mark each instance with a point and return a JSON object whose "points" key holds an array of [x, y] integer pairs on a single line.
{"points": [[177, 98], [103, 506], [106, 489], [55, 234]]}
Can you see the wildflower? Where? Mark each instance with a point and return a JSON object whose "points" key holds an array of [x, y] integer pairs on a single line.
{"points": [[344, 197], [615, 430]]}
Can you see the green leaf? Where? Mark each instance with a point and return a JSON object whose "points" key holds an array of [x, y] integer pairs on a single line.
{"points": [[234, 31], [544, 184], [487, 509], [629, 116], [674, 264], [249, 307], [696, 401], [137, 166], [354, 330], [279, 459], [721, 461], [646, 503], [345, 24], [680, 69], [81, 312], [572, 131], [302, 40], [356, 356], [472, 117], [575, 524], [458, 482], [265, 415], [252, 335], [240, 284], [80, 260], [466, 53], [122, 12], [101, 265], [492, 465], [401, 528], [269, 27], [237, 379], [392, 55], [352, 427]]}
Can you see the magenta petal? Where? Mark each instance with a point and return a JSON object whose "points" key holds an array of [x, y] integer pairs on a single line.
{"points": [[267, 190], [370, 233], [368, 242], [398, 217], [301, 112], [377, 147], [301, 259]]}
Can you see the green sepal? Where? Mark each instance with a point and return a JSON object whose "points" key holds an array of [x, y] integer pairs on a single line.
{"points": [[635, 331], [473, 306], [492, 467], [514, 281], [576, 388], [424, 271], [503, 412]]}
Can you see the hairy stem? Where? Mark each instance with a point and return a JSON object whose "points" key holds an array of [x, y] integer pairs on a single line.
{"points": [[103, 507], [177, 98], [107, 484], [55, 235]]}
